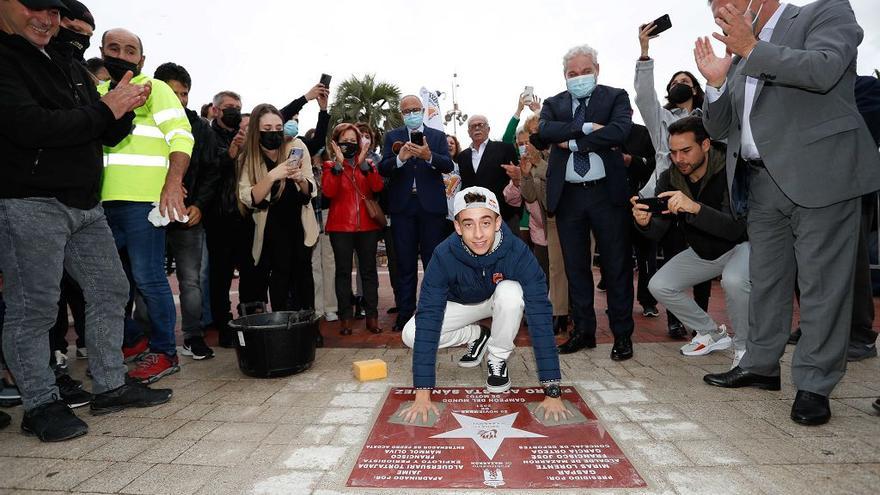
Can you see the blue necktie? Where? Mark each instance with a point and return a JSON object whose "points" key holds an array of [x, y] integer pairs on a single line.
{"points": [[581, 160]]}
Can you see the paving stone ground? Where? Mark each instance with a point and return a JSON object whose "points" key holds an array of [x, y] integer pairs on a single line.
{"points": [[226, 433]]}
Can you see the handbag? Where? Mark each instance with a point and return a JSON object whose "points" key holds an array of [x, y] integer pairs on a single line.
{"points": [[374, 211]]}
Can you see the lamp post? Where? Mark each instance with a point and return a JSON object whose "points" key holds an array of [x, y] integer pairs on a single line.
{"points": [[456, 116]]}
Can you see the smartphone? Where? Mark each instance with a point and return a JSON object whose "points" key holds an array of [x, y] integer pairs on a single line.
{"points": [[325, 79], [661, 24], [296, 154], [417, 137], [529, 95], [655, 205]]}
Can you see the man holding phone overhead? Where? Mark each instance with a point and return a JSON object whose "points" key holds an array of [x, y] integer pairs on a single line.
{"points": [[415, 157], [695, 190]]}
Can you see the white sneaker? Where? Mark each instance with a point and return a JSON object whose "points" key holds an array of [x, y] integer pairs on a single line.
{"points": [[737, 357], [703, 344], [60, 360], [331, 316]]}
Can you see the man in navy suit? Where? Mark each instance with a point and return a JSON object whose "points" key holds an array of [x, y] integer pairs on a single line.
{"points": [[585, 127], [416, 198]]}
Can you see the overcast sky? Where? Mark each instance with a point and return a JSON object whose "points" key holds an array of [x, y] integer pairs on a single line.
{"points": [[272, 51]]}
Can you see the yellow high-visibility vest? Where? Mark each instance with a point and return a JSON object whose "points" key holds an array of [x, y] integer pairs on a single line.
{"points": [[135, 169]]}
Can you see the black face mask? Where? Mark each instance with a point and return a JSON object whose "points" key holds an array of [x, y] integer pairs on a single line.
{"points": [[680, 93], [349, 150], [271, 140], [71, 43], [118, 67], [231, 117]]}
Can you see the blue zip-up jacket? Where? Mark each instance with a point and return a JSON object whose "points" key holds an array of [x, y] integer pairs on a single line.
{"points": [[455, 274]]}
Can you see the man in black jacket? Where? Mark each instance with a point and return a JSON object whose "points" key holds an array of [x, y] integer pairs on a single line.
{"points": [[695, 189], [481, 165], [186, 240], [51, 133]]}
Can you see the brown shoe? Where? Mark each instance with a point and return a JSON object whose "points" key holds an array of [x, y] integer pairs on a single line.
{"points": [[344, 326], [373, 325]]}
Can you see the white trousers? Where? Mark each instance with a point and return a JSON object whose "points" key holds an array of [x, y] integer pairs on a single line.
{"points": [[461, 321]]}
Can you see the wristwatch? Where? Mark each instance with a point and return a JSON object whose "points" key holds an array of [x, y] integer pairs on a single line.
{"points": [[553, 391]]}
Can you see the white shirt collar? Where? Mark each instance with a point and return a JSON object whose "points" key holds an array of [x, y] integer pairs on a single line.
{"points": [[767, 31]]}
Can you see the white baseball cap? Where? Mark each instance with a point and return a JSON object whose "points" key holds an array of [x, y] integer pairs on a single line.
{"points": [[460, 204]]}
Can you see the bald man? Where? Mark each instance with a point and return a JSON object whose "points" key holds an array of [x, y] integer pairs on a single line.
{"points": [[146, 169], [415, 157]]}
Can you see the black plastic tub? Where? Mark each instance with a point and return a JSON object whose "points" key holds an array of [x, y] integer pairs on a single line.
{"points": [[275, 344]]}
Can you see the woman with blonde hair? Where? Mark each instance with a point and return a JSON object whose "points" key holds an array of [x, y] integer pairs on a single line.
{"points": [[276, 185]]}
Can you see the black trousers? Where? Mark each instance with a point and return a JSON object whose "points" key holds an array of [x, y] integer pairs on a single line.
{"points": [[646, 260], [581, 210], [416, 233], [71, 295], [364, 245], [285, 268], [862, 327], [230, 238]]}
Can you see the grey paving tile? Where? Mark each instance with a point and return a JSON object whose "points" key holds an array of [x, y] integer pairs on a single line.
{"points": [[120, 449], [661, 454], [240, 432], [194, 430], [64, 475], [712, 452], [710, 481], [17, 470], [211, 453], [652, 412], [113, 478], [171, 479], [315, 458], [677, 430]]}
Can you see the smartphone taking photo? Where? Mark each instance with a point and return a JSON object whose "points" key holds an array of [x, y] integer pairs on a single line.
{"points": [[655, 205], [325, 80], [417, 138], [296, 155], [661, 24], [529, 95]]}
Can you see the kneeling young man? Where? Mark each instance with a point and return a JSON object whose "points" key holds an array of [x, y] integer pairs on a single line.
{"points": [[483, 271], [696, 190]]}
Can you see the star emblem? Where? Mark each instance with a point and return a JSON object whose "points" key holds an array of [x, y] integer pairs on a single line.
{"points": [[488, 434]]}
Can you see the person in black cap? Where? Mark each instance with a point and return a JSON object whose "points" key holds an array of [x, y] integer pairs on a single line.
{"points": [[51, 218], [77, 27]]}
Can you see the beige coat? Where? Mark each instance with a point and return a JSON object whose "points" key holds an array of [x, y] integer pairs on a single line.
{"points": [[309, 222]]}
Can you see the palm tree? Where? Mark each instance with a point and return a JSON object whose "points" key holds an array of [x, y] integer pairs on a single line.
{"points": [[365, 100]]}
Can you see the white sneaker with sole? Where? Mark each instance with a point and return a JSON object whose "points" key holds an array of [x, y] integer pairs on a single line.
{"points": [[704, 343]]}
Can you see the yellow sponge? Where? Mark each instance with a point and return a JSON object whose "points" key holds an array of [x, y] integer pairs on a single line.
{"points": [[371, 369]]}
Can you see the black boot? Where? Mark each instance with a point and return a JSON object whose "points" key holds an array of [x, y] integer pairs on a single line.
{"points": [[560, 324], [577, 341]]}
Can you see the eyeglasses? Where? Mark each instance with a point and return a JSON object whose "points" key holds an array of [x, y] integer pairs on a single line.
{"points": [[477, 126], [411, 111]]}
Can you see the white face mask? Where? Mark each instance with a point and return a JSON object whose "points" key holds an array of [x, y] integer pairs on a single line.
{"points": [[757, 15]]}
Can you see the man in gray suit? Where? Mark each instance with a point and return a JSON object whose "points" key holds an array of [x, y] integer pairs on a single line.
{"points": [[799, 158]]}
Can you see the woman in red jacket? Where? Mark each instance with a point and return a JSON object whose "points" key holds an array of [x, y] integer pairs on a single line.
{"points": [[347, 182]]}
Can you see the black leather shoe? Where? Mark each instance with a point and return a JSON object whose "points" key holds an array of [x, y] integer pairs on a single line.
{"points": [[795, 336], [623, 349], [810, 409], [677, 331], [400, 323], [53, 422], [576, 342], [131, 394], [560, 324], [876, 405], [5, 419], [738, 377]]}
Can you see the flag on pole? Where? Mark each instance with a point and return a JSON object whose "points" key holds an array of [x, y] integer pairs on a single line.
{"points": [[431, 104]]}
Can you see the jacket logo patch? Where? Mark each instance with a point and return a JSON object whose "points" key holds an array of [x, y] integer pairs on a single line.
{"points": [[496, 278]]}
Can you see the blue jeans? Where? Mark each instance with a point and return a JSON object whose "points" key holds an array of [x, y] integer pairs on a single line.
{"points": [[39, 239], [145, 245]]}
